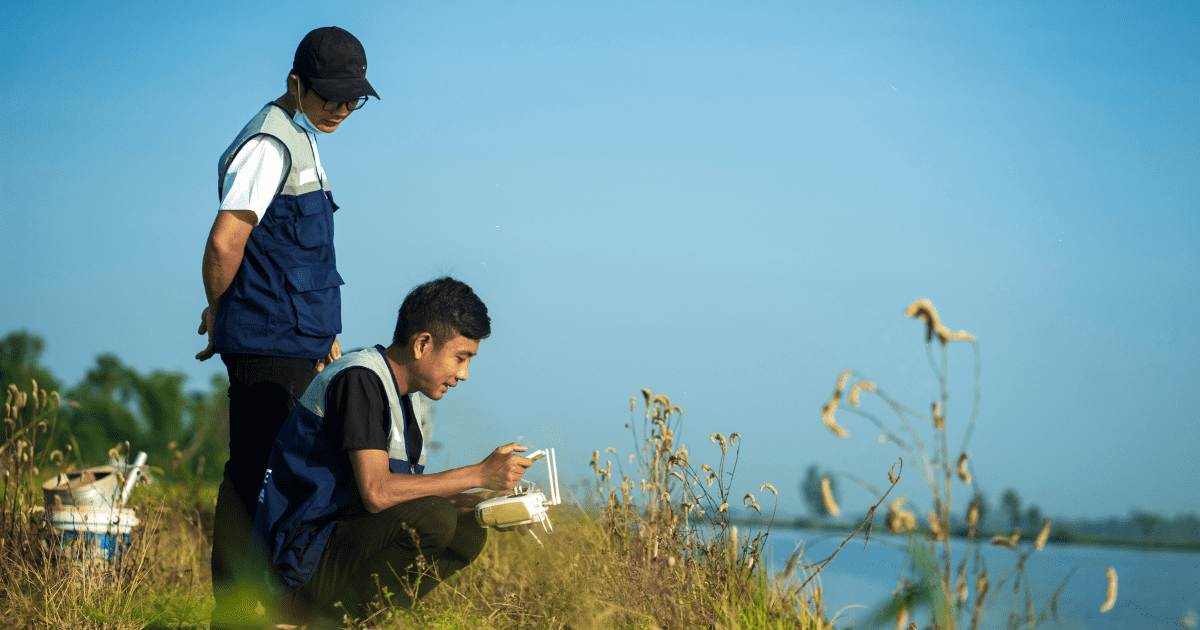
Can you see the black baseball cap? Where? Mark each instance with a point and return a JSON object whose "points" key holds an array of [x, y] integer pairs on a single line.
{"points": [[334, 63]]}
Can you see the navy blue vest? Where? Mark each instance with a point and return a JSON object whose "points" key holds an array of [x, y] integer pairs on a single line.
{"points": [[285, 299], [309, 484]]}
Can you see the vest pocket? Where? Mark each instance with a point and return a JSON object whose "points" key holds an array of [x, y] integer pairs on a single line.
{"points": [[314, 222], [316, 299]]}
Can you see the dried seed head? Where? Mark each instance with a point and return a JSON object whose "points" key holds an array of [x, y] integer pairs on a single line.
{"points": [[961, 589], [935, 527], [734, 436], [831, 506], [841, 383], [981, 585], [899, 520], [790, 565], [646, 395], [675, 473], [1043, 535], [724, 506], [858, 388], [963, 473], [1111, 597], [973, 515], [609, 449], [596, 460], [767, 486], [1009, 541], [827, 415], [633, 403], [923, 310], [706, 468], [748, 498], [901, 619], [717, 438], [754, 506], [677, 409], [939, 417]]}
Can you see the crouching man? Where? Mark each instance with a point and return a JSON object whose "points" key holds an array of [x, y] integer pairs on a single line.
{"points": [[346, 508]]}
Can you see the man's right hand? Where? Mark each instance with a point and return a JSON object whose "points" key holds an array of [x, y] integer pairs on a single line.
{"points": [[503, 468], [208, 321]]}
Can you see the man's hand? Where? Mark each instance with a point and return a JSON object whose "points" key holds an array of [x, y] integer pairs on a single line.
{"points": [[335, 353], [503, 468], [208, 321]]}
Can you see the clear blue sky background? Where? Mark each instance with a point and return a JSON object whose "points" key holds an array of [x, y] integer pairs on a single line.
{"points": [[727, 203]]}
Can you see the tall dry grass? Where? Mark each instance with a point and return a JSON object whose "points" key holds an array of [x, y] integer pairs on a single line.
{"points": [[959, 591], [161, 581]]}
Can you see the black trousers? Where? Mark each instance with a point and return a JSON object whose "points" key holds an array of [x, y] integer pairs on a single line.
{"points": [[262, 391], [408, 549]]}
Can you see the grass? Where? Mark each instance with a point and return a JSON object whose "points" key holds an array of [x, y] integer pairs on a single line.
{"points": [[656, 549]]}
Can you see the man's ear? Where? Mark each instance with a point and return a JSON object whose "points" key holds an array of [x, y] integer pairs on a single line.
{"points": [[422, 343], [293, 84]]}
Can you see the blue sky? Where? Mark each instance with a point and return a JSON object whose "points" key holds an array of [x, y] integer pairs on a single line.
{"points": [[727, 203]]}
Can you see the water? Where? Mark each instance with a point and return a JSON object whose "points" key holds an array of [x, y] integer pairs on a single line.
{"points": [[1157, 589]]}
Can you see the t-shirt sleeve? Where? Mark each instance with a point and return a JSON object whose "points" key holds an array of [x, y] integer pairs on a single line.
{"points": [[356, 395], [253, 176]]}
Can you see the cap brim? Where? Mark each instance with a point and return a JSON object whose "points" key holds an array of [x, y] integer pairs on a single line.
{"points": [[342, 90]]}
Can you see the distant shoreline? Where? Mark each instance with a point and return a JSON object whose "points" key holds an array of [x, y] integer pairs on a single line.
{"points": [[1062, 537]]}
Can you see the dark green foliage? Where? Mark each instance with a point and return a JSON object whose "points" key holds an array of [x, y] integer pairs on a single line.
{"points": [[114, 404]]}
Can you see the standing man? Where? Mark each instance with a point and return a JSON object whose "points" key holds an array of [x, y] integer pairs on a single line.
{"points": [[274, 303], [346, 507]]}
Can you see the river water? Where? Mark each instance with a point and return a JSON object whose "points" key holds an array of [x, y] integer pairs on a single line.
{"points": [[1158, 590]]}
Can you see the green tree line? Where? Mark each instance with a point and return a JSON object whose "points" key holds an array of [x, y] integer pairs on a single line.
{"points": [[114, 403]]}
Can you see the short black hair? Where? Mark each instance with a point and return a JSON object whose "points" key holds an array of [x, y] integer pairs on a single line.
{"points": [[443, 308]]}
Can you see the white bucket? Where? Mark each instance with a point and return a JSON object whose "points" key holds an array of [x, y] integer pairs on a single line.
{"points": [[89, 535]]}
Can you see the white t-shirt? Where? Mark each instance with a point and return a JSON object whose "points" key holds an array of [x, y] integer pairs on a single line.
{"points": [[256, 172]]}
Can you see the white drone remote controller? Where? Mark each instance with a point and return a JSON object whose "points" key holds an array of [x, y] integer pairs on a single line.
{"points": [[523, 506]]}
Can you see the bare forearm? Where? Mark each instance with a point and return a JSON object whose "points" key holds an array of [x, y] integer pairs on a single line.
{"points": [[218, 271], [380, 488], [396, 488], [223, 251]]}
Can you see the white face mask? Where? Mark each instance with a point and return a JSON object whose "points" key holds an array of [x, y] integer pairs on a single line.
{"points": [[301, 119]]}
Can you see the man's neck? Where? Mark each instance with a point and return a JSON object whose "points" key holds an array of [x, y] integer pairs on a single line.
{"points": [[400, 360]]}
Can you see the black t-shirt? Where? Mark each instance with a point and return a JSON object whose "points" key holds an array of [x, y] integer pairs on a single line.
{"points": [[357, 399]]}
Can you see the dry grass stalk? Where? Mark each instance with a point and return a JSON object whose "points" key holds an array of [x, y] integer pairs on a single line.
{"points": [[963, 473]]}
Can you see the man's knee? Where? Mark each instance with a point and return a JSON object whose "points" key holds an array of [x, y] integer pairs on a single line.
{"points": [[469, 538], [428, 523]]}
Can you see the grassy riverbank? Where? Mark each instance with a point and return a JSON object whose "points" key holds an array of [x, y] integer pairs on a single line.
{"points": [[652, 553]]}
